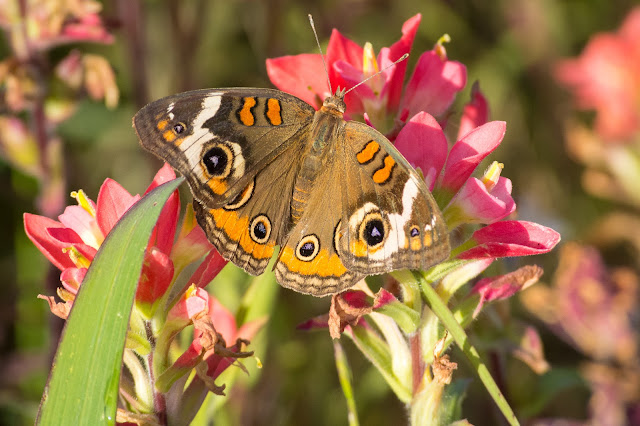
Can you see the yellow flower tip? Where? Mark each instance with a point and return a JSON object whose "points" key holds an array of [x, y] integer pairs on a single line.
{"points": [[369, 61], [191, 291], [439, 47], [76, 257], [491, 175], [83, 201], [65, 294], [439, 348]]}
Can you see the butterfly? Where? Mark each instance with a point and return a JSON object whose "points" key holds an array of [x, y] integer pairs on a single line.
{"points": [[266, 169]]}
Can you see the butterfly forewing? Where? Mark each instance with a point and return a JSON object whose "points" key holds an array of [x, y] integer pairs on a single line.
{"points": [[393, 220], [220, 139]]}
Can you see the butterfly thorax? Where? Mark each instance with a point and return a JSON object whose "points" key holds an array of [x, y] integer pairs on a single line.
{"points": [[328, 125]]}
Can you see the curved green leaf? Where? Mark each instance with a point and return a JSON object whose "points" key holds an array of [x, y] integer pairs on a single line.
{"points": [[83, 383]]}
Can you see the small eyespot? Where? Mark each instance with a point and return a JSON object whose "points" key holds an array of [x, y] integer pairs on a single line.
{"points": [[260, 229], [179, 128], [308, 248], [414, 231]]}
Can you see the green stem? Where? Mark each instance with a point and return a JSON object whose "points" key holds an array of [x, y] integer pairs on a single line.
{"points": [[344, 374], [462, 340]]}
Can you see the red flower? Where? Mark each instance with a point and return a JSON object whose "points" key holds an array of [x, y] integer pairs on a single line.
{"points": [[72, 243], [606, 78], [509, 238], [348, 64], [432, 87]]}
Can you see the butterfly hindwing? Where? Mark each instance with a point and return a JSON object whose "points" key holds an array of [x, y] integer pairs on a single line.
{"points": [[247, 228], [309, 261]]}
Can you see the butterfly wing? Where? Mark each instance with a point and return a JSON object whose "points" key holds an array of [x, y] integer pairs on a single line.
{"points": [[391, 219], [219, 139], [246, 229], [239, 150], [309, 261], [373, 214]]}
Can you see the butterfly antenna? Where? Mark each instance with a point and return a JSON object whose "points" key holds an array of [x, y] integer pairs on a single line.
{"points": [[402, 58], [326, 71]]}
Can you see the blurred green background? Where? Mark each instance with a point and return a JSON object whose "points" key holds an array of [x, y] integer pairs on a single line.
{"points": [[164, 47]]}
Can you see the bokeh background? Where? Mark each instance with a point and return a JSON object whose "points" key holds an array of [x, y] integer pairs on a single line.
{"points": [[512, 47]]}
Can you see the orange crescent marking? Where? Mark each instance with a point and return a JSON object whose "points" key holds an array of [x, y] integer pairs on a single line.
{"points": [[361, 249], [274, 112], [246, 116], [169, 136], [162, 124], [237, 229], [368, 152], [218, 186], [323, 265], [383, 174]]}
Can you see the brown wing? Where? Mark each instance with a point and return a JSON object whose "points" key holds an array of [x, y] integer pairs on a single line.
{"points": [[247, 229], [309, 261], [392, 220], [219, 139]]}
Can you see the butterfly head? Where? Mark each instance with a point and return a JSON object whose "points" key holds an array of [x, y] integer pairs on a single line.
{"points": [[335, 104]]}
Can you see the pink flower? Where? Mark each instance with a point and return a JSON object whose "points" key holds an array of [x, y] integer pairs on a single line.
{"points": [[352, 64], [469, 151], [470, 200], [479, 202], [87, 28], [424, 145], [504, 286], [590, 306], [193, 302], [507, 239], [72, 242], [432, 87], [348, 64], [606, 78], [475, 113]]}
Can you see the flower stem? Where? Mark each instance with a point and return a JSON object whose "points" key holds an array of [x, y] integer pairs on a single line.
{"points": [[462, 340], [344, 374], [159, 402]]}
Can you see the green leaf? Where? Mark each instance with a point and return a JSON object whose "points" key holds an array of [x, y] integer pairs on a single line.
{"points": [[406, 318], [451, 406], [379, 354], [83, 384]]}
